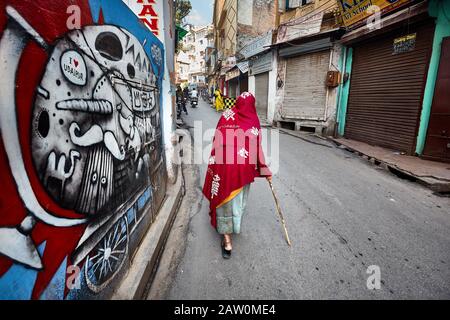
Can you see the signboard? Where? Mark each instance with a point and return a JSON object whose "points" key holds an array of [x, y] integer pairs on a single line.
{"points": [[261, 65], [234, 73], [257, 46], [405, 44], [353, 11], [301, 27], [150, 12], [243, 66]]}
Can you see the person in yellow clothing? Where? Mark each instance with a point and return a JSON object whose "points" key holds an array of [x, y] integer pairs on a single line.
{"points": [[219, 104]]}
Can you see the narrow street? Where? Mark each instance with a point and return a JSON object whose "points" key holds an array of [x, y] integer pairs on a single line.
{"points": [[343, 215]]}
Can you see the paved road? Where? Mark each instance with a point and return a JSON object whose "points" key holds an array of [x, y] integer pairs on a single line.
{"points": [[344, 215]]}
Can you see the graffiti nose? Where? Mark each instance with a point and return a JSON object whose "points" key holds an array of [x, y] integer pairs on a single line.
{"points": [[92, 106]]}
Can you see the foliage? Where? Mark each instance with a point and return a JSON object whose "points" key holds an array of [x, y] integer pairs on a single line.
{"points": [[183, 8]]}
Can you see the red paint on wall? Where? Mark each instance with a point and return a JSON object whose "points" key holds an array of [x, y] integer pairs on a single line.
{"points": [[50, 23]]}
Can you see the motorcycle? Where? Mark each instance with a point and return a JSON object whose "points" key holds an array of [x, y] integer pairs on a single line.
{"points": [[194, 102]]}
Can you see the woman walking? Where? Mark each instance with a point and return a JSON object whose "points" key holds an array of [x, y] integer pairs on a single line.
{"points": [[236, 160], [218, 101]]}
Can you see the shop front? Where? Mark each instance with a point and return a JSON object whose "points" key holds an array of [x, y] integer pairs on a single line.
{"points": [[232, 82], [388, 77], [305, 89]]}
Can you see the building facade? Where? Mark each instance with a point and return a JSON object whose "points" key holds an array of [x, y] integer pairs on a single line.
{"points": [[306, 52], [182, 67], [339, 68], [195, 46], [238, 24]]}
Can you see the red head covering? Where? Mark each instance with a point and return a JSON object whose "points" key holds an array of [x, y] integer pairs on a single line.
{"points": [[246, 112], [237, 157]]}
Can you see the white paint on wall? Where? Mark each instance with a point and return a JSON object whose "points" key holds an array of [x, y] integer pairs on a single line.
{"points": [[168, 115], [245, 12], [331, 110], [271, 105], [252, 85]]}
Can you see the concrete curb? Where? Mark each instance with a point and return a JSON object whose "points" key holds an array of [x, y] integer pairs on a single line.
{"points": [[146, 259], [434, 184]]}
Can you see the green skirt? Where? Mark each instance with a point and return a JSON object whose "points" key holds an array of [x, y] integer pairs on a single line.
{"points": [[229, 216]]}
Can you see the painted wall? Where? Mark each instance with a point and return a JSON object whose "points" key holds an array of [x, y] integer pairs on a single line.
{"points": [[255, 18], [81, 150], [344, 90], [271, 106]]}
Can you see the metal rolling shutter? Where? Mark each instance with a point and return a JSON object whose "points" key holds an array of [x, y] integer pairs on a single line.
{"points": [[386, 90], [305, 90], [262, 92]]}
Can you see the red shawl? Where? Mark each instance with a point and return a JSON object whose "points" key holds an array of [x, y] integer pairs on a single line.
{"points": [[236, 157]]}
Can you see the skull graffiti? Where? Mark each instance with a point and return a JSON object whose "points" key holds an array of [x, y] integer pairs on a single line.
{"points": [[93, 118]]}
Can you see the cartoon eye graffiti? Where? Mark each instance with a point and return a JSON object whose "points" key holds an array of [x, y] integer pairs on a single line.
{"points": [[103, 181], [131, 71], [94, 177], [109, 46]]}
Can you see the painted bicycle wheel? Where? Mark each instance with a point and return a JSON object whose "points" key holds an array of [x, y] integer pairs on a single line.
{"points": [[107, 258]]}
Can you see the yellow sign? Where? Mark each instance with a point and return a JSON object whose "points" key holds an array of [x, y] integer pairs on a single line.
{"points": [[409, 37], [405, 44], [353, 11]]}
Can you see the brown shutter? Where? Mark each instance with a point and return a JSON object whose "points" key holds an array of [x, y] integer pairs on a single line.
{"points": [[386, 89]]}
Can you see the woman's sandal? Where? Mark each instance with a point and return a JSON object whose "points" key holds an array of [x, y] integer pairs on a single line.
{"points": [[226, 254]]}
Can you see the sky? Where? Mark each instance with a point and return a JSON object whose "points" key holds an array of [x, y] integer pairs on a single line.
{"points": [[201, 13]]}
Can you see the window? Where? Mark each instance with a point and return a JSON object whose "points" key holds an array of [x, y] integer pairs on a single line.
{"points": [[292, 4]]}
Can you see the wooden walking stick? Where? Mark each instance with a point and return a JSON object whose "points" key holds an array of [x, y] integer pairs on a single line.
{"points": [[280, 213]]}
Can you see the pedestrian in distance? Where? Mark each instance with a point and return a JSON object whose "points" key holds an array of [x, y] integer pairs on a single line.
{"points": [[236, 160], [185, 100], [218, 102]]}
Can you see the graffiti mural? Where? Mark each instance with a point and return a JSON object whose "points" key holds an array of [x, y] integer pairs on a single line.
{"points": [[81, 146]]}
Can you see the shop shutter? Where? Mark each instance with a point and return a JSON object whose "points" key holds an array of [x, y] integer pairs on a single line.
{"points": [[386, 89], [262, 92], [305, 90]]}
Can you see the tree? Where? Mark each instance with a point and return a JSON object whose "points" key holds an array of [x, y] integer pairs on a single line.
{"points": [[183, 8]]}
